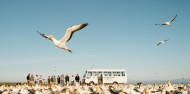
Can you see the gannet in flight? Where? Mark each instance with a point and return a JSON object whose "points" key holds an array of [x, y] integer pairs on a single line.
{"points": [[162, 42], [168, 22], [69, 33]]}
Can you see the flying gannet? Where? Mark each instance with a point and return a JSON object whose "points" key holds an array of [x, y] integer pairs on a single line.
{"points": [[69, 33], [162, 42], [168, 22]]}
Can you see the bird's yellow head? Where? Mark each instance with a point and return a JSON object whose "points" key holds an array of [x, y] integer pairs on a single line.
{"points": [[168, 81], [51, 37]]}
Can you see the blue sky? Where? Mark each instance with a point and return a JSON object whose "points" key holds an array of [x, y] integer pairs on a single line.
{"points": [[121, 34]]}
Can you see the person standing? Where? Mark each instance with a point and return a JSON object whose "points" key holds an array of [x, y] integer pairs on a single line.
{"points": [[37, 79], [67, 79], [32, 79], [77, 78], [58, 79], [72, 79], [49, 80], [62, 79], [40, 79], [101, 79], [54, 80], [28, 79]]}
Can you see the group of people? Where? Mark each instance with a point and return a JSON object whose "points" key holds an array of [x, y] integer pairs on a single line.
{"points": [[63, 79], [60, 79], [35, 79]]}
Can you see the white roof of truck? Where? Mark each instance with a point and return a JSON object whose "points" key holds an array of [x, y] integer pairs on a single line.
{"points": [[106, 70]]}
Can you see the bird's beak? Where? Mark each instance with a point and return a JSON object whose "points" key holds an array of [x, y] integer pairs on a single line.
{"points": [[49, 38]]}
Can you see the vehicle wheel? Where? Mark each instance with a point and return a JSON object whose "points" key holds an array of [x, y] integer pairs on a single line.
{"points": [[115, 83], [91, 83]]}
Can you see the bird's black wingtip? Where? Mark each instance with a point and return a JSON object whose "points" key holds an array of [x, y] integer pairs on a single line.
{"points": [[175, 15], [157, 24], [85, 24], [37, 31]]}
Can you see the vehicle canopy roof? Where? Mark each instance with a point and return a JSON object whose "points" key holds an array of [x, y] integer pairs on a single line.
{"points": [[107, 70]]}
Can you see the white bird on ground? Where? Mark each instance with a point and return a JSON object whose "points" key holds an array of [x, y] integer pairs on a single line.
{"points": [[168, 22], [162, 42], [69, 33]]}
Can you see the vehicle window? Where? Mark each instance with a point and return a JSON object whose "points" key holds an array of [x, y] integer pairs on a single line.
{"points": [[99, 73], [123, 73], [109, 73], [118, 74], [93, 73], [114, 73], [89, 73], [105, 73]]}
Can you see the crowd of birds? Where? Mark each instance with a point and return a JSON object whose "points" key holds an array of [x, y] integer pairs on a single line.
{"points": [[77, 88], [167, 23]]}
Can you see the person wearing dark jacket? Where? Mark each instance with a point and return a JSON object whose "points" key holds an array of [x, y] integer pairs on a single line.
{"points": [[66, 79], [77, 78], [28, 79]]}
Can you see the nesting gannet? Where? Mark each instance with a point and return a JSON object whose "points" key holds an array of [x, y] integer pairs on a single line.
{"points": [[69, 33], [169, 86], [168, 22], [162, 42]]}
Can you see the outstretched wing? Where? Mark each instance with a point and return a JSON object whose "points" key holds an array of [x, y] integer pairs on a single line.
{"points": [[173, 18], [70, 31], [43, 35], [159, 43]]}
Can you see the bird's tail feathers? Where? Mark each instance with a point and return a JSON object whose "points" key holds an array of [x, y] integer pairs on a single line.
{"points": [[69, 50]]}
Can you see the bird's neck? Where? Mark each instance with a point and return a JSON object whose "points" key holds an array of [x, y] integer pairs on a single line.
{"points": [[55, 41]]}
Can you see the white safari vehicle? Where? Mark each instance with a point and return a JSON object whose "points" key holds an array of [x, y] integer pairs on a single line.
{"points": [[99, 76]]}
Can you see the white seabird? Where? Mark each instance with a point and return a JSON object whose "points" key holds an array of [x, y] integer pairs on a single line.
{"points": [[162, 42], [69, 33], [168, 22]]}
